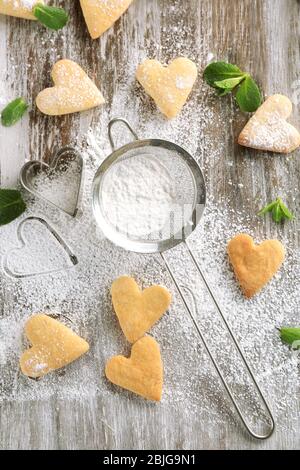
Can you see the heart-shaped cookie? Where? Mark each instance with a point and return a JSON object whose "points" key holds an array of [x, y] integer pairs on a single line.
{"points": [[142, 373], [168, 86], [254, 265], [19, 8], [138, 310], [53, 346], [60, 183], [268, 129], [100, 15], [73, 91]]}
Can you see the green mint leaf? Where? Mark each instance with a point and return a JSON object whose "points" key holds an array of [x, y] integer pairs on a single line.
{"points": [[286, 212], [219, 71], [248, 95], [229, 83], [277, 213], [51, 17], [226, 77], [11, 205], [291, 336], [13, 112], [223, 91], [267, 208]]}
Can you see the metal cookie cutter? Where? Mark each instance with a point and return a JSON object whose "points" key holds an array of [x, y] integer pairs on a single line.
{"points": [[72, 258], [191, 193], [32, 169]]}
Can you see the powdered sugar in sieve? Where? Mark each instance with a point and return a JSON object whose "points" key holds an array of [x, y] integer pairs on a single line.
{"points": [[138, 195]]}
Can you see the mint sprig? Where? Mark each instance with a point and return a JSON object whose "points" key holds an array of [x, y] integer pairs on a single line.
{"points": [[51, 17], [291, 336], [13, 112], [11, 205], [220, 71], [279, 211], [227, 78]]}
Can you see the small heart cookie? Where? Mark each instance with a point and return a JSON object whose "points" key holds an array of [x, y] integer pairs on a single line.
{"points": [[138, 310], [254, 265], [142, 373], [268, 129], [53, 346], [19, 8], [168, 86], [74, 91], [100, 15]]}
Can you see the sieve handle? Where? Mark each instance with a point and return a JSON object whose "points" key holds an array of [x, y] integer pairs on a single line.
{"points": [[116, 121], [218, 370]]}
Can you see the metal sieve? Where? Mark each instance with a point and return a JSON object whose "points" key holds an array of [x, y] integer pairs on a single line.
{"points": [[184, 213]]}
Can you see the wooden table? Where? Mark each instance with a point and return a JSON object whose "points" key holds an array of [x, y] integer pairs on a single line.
{"points": [[262, 37]]}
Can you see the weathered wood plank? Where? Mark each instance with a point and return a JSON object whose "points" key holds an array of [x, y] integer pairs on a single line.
{"points": [[261, 36]]}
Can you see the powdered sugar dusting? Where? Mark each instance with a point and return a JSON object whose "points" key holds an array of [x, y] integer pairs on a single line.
{"points": [[268, 128], [82, 293], [275, 134], [137, 195], [73, 91]]}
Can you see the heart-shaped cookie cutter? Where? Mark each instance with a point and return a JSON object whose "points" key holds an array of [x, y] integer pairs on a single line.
{"points": [[31, 169], [22, 239]]}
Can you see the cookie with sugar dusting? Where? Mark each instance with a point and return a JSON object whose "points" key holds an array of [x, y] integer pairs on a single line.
{"points": [[19, 8], [169, 86], [73, 91], [268, 129], [100, 15], [53, 346]]}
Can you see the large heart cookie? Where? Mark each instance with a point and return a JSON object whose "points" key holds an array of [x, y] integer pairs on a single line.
{"points": [[142, 373], [53, 346], [74, 91], [268, 129], [254, 265], [138, 310], [100, 15], [168, 86], [19, 8]]}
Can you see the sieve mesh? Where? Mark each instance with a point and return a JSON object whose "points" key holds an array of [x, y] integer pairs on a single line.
{"points": [[149, 195]]}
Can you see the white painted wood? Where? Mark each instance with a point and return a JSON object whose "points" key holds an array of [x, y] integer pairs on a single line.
{"points": [[260, 35]]}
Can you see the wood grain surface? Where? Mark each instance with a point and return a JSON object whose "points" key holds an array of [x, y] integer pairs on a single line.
{"points": [[262, 37]]}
